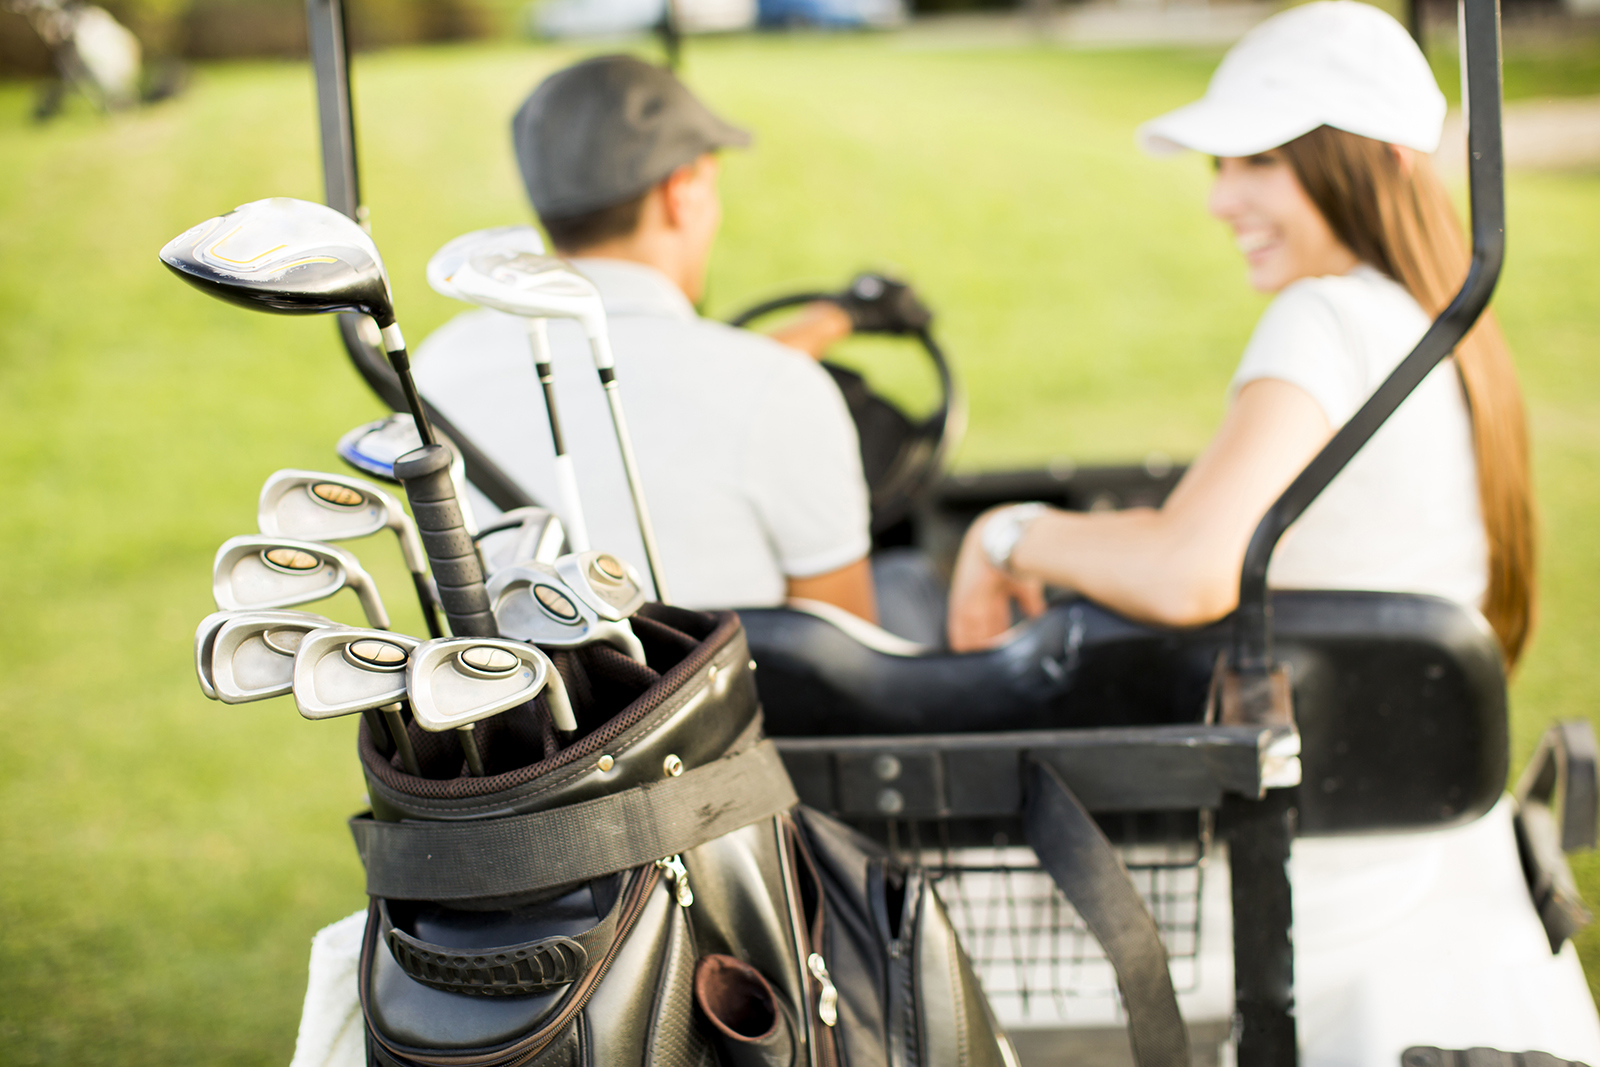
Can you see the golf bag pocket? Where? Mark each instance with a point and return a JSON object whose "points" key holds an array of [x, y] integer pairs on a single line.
{"points": [[750, 1023]]}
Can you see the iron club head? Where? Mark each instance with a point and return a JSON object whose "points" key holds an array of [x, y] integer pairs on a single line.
{"points": [[276, 572], [252, 657], [341, 672], [605, 583], [532, 602], [521, 535], [460, 681], [205, 639], [313, 506]]}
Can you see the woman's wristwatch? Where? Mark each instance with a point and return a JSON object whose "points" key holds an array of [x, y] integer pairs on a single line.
{"points": [[1003, 530]]}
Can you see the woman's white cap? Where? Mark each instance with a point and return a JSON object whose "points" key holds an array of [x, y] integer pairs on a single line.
{"points": [[1331, 63]]}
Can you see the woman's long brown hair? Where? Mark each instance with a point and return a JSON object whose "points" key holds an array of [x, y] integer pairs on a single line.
{"points": [[1398, 217]]}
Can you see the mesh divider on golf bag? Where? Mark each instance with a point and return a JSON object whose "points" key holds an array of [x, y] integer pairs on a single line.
{"points": [[609, 691]]}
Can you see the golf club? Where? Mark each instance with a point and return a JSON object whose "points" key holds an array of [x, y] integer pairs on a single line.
{"points": [[533, 602], [447, 277], [530, 285], [604, 582], [372, 448], [253, 655], [296, 257], [329, 507], [459, 682], [341, 672], [205, 639], [256, 572], [521, 535]]}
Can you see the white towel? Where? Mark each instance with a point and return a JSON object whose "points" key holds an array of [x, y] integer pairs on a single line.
{"points": [[331, 1033]]}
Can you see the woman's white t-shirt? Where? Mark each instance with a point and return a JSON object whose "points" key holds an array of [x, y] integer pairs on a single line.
{"points": [[1404, 515]]}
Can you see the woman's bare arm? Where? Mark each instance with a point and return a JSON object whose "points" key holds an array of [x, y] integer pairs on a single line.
{"points": [[1176, 566]]}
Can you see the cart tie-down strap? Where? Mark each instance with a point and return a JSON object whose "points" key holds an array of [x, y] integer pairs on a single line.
{"points": [[522, 853], [1087, 870]]}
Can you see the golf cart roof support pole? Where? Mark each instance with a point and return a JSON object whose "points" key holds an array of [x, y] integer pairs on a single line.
{"points": [[1479, 22], [330, 59]]}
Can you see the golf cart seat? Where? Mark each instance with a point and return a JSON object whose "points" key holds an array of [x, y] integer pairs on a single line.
{"points": [[1400, 698]]}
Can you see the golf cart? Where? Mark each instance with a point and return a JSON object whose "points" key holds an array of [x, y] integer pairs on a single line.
{"points": [[1306, 713]]}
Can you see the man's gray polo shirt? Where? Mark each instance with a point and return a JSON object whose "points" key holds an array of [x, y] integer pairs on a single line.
{"points": [[748, 455]]}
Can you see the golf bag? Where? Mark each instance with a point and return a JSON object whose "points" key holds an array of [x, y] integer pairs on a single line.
{"points": [[651, 893]]}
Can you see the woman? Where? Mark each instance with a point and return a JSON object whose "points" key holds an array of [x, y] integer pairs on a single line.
{"points": [[1320, 121]]}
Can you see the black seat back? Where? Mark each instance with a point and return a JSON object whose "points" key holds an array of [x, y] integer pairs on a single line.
{"points": [[1400, 698]]}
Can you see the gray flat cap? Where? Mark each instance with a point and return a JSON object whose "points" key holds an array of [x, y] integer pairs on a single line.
{"points": [[604, 131]]}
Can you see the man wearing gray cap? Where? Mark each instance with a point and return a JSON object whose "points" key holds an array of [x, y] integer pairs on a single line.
{"points": [[747, 453]]}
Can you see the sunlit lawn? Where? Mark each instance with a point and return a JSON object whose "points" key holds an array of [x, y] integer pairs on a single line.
{"points": [[165, 859]]}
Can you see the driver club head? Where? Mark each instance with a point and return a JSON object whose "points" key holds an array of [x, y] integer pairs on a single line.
{"points": [[521, 535], [258, 572], [313, 506], [459, 681], [341, 672], [205, 639], [523, 283], [605, 583], [449, 259], [287, 256], [253, 655], [532, 602]]}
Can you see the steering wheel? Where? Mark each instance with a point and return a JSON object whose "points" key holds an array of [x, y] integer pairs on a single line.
{"points": [[900, 457]]}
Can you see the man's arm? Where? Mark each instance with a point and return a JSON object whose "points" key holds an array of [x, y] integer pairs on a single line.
{"points": [[821, 325], [849, 587]]}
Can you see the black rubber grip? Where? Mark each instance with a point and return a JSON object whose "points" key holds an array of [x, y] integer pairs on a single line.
{"points": [[425, 473]]}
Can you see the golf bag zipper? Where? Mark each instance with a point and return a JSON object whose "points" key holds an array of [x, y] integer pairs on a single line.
{"points": [[672, 866], [522, 1051], [828, 998]]}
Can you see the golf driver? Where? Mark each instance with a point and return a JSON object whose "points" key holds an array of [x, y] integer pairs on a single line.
{"points": [[372, 448], [205, 638], [533, 602], [536, 286], [329, 507], [276, 572], [296, 257], [521, 535], [459, 682], [447, 277], [341, 672], [253, 655]]}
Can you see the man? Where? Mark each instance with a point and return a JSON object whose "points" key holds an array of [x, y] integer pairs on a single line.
{"points": [[747, 453]]}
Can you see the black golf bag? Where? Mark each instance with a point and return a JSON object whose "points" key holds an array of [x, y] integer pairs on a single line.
{"points": [[648, 894]]}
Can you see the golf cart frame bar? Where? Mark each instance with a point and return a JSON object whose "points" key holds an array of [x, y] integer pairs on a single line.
{"points": [[1122, 769]]}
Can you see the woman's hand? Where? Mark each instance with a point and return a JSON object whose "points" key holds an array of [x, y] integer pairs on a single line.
{"points": [[981, 595]]}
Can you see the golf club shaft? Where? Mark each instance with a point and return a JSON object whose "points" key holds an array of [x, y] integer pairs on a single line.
{"points": [[566, 476], [401, 739], [381, 738], [469, 749], [395, 346], [630, 467], [430, 603]]}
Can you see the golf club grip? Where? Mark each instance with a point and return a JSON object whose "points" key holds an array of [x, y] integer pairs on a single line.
{"points": [[457, 571]]}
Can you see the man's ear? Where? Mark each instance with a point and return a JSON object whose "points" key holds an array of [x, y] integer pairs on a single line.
{"points": [[675, 194]]}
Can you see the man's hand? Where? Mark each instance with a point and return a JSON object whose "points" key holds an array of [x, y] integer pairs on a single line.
{"points": [[981, 595], [821, 325]]}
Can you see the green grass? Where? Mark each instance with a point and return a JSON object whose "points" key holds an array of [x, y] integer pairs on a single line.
{"points": [[166, 858]]}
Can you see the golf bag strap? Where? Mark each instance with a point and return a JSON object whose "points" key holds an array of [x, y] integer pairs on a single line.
{"points": [[1087, 870], [443, 861], [506, 971]]}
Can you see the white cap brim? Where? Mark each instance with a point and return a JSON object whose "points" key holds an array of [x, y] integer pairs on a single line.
{"points": [[1219, 127]]}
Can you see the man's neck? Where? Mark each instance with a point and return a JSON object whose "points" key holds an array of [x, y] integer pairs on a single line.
{"points": [[661, 255]]}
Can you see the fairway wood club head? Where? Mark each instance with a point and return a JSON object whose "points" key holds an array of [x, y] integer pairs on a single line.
{"points": [[284, 255], [253, 655], [532, 602], [257, 573], [313, 506], [459, 681], [521, 535], [532, 286], [341, 672], [449, 259], [373, 447], [605, 583], [205, 639]]}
